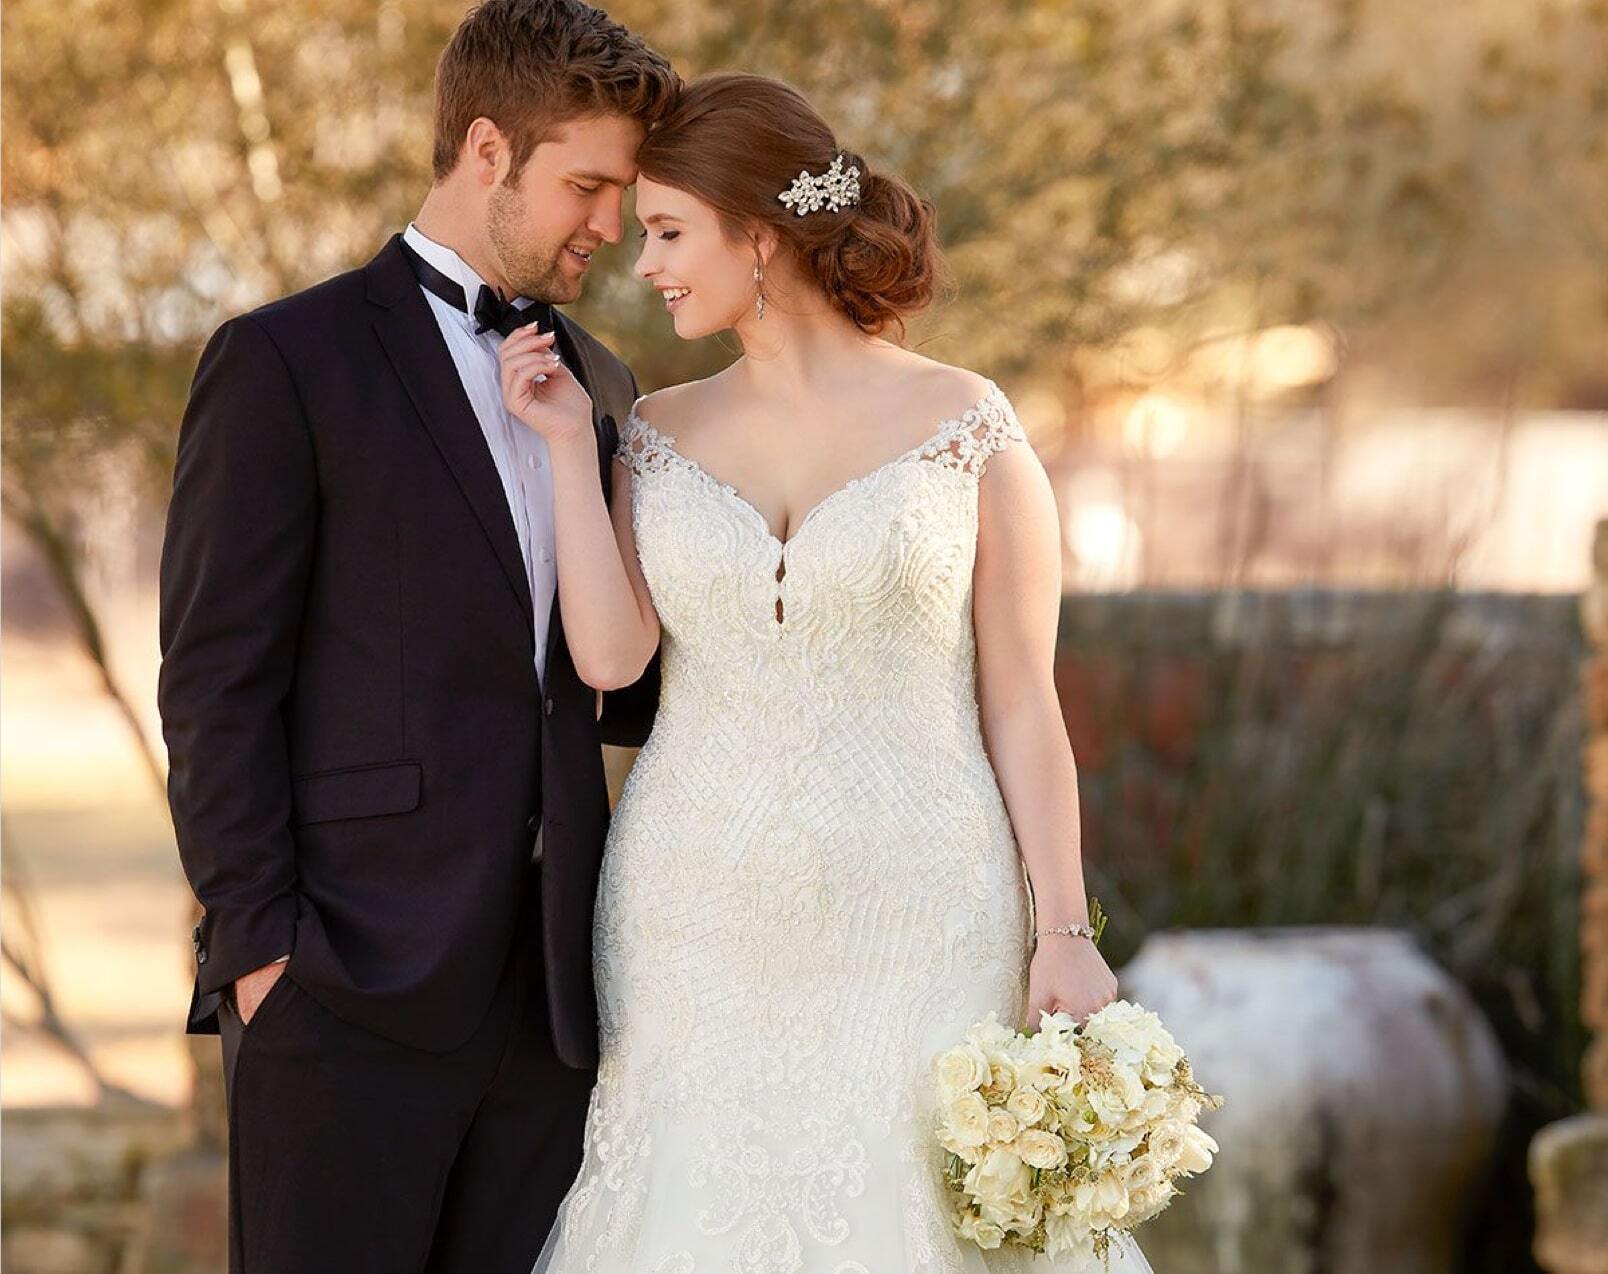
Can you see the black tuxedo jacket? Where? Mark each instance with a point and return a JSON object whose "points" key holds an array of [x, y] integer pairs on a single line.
{"points": [[360, 751]]}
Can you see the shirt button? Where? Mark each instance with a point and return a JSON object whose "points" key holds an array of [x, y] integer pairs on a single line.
{"points": [[533, 462], [546, 556]]}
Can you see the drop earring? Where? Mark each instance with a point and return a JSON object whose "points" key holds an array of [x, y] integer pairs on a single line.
{"points": [[759, 284]]}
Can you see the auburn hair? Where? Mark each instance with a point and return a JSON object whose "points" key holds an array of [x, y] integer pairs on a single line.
{"points": [[529, 65], [736, 141]]}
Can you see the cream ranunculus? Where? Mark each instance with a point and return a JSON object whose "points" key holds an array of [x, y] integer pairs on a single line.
{"points": [[1040, 1149], [1144, 1204], [1143, 1173], [962, 1069], [1166, 1142]]}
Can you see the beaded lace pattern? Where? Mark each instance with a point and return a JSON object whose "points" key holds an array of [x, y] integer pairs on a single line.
{"points": [[810, 884]]}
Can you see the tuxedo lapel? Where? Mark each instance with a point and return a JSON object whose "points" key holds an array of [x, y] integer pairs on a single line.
{"points": [[408, 331], [573, 352]]}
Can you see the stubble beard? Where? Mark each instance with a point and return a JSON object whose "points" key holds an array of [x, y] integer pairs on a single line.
{"points": [[535, 270]]}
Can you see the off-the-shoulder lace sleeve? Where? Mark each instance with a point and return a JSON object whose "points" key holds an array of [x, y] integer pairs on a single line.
{"points": [[968, 441], [640, 445]]}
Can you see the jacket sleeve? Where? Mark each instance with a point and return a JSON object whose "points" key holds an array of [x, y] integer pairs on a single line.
{"points": [[235, 561]]}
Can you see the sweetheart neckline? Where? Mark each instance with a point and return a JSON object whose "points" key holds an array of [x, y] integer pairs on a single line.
{"points": [[668, 441]]}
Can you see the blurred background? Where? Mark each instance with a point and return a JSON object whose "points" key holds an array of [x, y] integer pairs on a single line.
{"points": [[1305, 306]]}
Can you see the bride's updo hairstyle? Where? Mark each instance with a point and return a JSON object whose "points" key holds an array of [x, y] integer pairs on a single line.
{"points": [[737, 141]]}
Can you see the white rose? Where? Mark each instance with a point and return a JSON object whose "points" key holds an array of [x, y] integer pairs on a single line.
{"points": [[1040, 1149], [1001, 1183], [1002, 1126], [966, 1120], [1157, 1105], [991, 1035], [1114, 1092], [1161, 1061], [1027, 1220], [1001, 1078], [962, 1069], [1055, 1027], [1103, 1200], [1198, 1149], [1130, 1032], [1028, 1105]]}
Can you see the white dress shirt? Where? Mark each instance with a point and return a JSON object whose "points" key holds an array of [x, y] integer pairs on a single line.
{"points": [[519, 452]]}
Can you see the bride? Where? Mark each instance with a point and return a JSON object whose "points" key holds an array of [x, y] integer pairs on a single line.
{"points": [[814, 879]]}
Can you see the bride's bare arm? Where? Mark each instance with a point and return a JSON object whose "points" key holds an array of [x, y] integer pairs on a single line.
{"points": [[610, 625], [1015, 607]]}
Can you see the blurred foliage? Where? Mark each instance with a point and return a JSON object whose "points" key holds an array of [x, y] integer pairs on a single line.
{"points": [[1100, 168], [1334, 758]]}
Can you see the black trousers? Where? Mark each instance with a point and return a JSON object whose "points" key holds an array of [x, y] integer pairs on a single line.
{"points": [[351, 1153]]}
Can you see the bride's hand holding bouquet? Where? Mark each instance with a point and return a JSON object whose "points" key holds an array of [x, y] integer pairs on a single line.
{"points": [[1062, 1140]]}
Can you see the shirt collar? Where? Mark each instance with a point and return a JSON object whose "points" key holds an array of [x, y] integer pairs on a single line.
{"points": [[453, 266]]}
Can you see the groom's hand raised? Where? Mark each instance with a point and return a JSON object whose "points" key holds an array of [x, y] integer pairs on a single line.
{"points": [[557, 407]]}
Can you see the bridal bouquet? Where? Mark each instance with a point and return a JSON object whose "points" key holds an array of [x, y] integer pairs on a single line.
{"points": [[1057, 1140]]}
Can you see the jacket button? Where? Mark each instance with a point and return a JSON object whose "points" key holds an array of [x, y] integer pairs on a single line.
{"points": [[533, 824], [547, 706]]}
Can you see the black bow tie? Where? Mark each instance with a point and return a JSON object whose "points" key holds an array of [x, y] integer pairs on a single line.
{"points": [[491, 312]]}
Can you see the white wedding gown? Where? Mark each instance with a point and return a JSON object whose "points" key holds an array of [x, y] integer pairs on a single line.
{"points": [[810, 885]]}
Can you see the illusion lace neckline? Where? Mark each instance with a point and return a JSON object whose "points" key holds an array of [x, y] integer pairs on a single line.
{"points": [[940, 433]]}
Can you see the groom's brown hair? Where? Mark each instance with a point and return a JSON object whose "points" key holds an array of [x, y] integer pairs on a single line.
{"points": [[529, 65]]}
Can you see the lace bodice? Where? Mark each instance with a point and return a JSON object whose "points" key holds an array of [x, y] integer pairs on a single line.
{"points": [[864, 560], [810, 884]]}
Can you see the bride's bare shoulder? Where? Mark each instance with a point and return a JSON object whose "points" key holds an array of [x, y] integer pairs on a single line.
{"points": [[940, 389], [666, 409]]}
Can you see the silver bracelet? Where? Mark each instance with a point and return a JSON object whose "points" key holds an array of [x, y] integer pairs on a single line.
{"points": [[1076, 931]]}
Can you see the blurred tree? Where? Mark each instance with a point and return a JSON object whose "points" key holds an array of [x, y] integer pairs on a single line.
{"points": [[1125, 178]]}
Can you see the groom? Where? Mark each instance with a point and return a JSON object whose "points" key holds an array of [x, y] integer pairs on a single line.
{"points": [[385, 773]]}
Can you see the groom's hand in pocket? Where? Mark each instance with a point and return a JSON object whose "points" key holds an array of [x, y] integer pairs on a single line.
{"points": [[251, 988]]}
